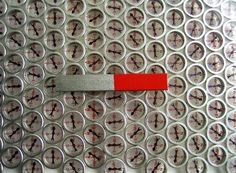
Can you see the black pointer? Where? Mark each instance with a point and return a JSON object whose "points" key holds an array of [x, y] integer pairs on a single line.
{"points": [[231, 75], [13, 109], [14, 132], [232, 141], [73, 167], [15, 41], [133, 39], [94, 133], [74, 29], [175, 62], [132, 15], [215, 86], [93, 109], [95, 18], [75, 7], [36, 8], [154, 50], [95, 62], [33, 120], [155, 98], [73, 121], [54, 17], [95, 40], [192, 8], [115, 29], [156, 120], [33, 167], [35, 52], [176, 132], [154, 29], [196, 74], [17, 19], [176, 109], [32, 145], [53, 156], [135, 157], [54, 40], [15, 63], [53, 109], [135, 109], [195, 143], [114, 145], [75, 72], [73, 97], [115, 169], [114, 52], [194, 27], [13, 86], [153, 7], [93, 155], [155, 144], [73, 144], [35, 29], [114, 122], [114, 97], [175, 86], [113, 7], [53, 132], [195, 97], [216, 109], [231, 119], [135, 133], [196, 120], [155, 168], [33, 74], [176, 155], [53, 62], [216, 132], [135, 63], [13, 156], [195, 50], [196, 166], [74, 52], [216, 155], [32, 98], [51, 86]]}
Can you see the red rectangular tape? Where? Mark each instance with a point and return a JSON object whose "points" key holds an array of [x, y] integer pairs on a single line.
{"points": [[123, 82]]}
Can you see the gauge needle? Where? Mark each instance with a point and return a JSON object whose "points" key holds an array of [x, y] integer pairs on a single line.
{"points": [[114, 97], [176, 109], [135, 157], [32, 145], [74, 29], [135, 109], [195, 142], [176, 155], [73, 144], [94, 133], [53, 109], [134, 17], [115, 121], [53, 132], [155, 168], [14, 132], [113, 7], [153, 7], [73, 121], [114, 169], [135, 133], [13, 109], [93, 155], [133, 39], [196, 120], [36, 8], [115, 29], [73, 167], [114, 145], [93, 109], [13, 156], [135, 62], [75, 7], [95, 18], [155, 144], [35, 29]]}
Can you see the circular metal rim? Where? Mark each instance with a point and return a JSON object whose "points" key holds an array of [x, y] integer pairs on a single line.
{"points": [[208, 155], [223, 139], [222, 58], [156, 135], [205, 117], [168, 135], [182, 148], [188, 147], [168, 113], [166, 20], [223, 81], [203, 90], [221, 16], [144, 62]]}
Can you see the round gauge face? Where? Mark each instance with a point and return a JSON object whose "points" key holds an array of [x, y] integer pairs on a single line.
{"points": [[135, 62], [73, 165], [74, 28], [228, 9], [32, 145], [75, 7], [115, 28], [94, 62], [15, 40], [231, 164], [177, 133], [73, 121], [73, 145], [94, 157], [55, 17], [14, 63], [115, 99], [32, 121], [214, 40], [114, 145], [194, 29], [134, 17], [155, 51], [114, 8], [74, 51], [34, 74], [32, 98], [230, 97], [53, 133], [174, 2], [193, 8], [217, 155], [33, 165], [15, 18], [35, 29], [135, 133], [230, 51], [177, 86], [176, 62], [74, 99], [177, 109], [135, 39], [175, 40], [94, 109], [215, 63], [13, 86], [52, 157], [230, 74], [156, 121], [94, 134], [53, 109], [197, 144], [73, 69], [54, 63], [3, 29], [34, 52], [197, 97], [231, 143], [115, 51], [174, 18], [95, 17], [231, 120], [154, 8], [156, 99], [156, 165], [114, 68], [217, 132], [196, 74], [12, 133], [229, 29], [35, 8], [135, 157], [156, 144], [11, 157], [115, 121], [54, 39], [197, 120], [155, 28], [216, 86], [116, 165], [135, 109], [12, 109], [49, 87], [177, 156], [195, 51], [197, 164], [213, 18], [94, 39]]}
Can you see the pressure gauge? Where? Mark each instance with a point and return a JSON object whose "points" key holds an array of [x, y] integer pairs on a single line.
{"points": [[94, 134], [216, 86], [174, 2], [177, 109], [53, 133], [94, 39], [74, 28], [35, 8], [74, 99], [135, 62], [156, 121], [229, 29], [94, 109], [213, 18], [135, 157], [13, 86], [197, 144], [175, 40], [174, 18], [75, 7], [32, 98], [115, 99], [212, 3], [73, 145], [115, 8], [15, 18], [135, 133], [216, 109], [156, 165], [49, 87], [155, 51], [73, 69], [74, 51], [155, 28], [156, 99], [94, 62], [230, 97], [32, 145], [54, 39], [231, 143], [214, 40], [55, 2], [3, 7], [195, 51], [115, 121], [230, 51], [154, 8], [228, 8], [2, 51], [95, 17], [197, 120], [34, 51], [115, 165], [156, 144], [35, 29], [215, 63], [14, 63], [230, 167], [32, 121], [177, 156], [52, 157], [12, 109], [73, 165], [177, 133], [197, 97], [115, 51], [114, 145], [94, 157], [197, 164], [177, 86], [217, 155], [34, 74], [194, 29], [176, 62], [231, 120], [54, 17], [53, 109], [196, 74], [12, 133], [15, 40], [217, 132], [32, 165], [73, 121], [114, 28], [134, 17], [3, 29], [11, 157], [135, 39], [135, 109], [193, 8], [230, 74], [54, 63]]}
